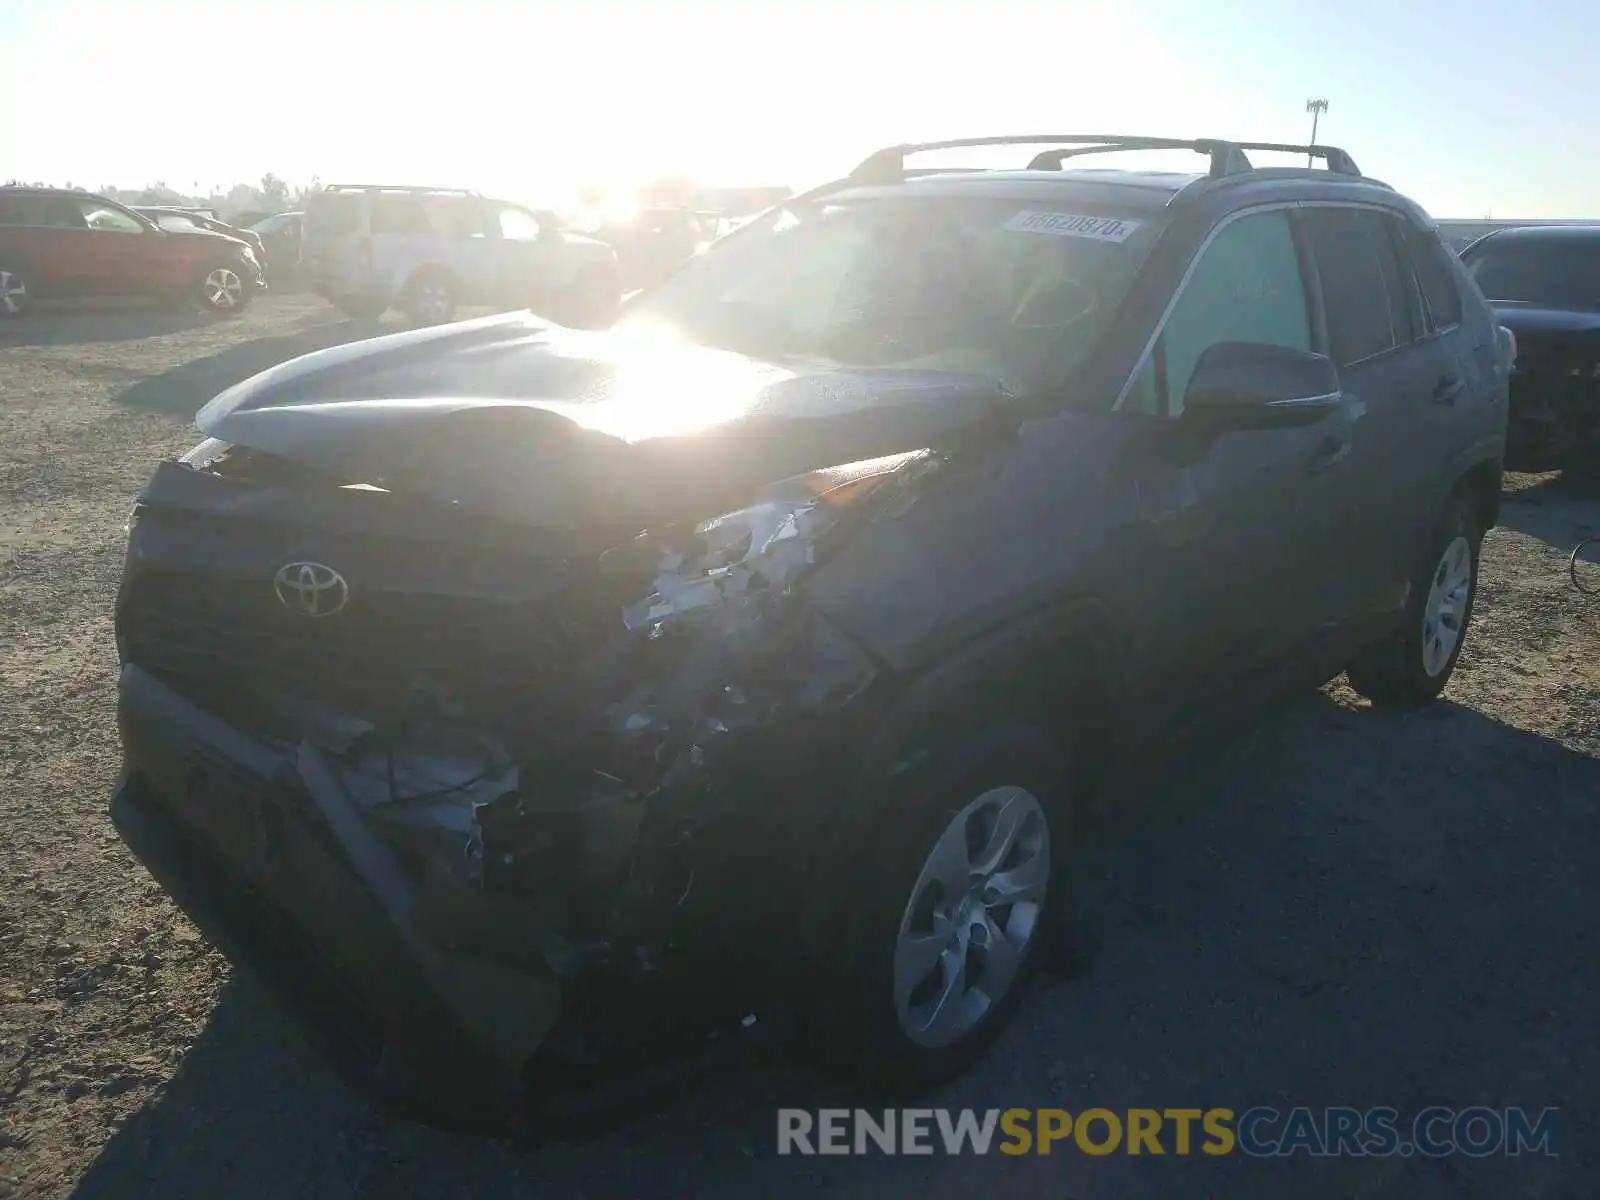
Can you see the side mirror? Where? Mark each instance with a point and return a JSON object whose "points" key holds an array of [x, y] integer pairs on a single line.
{"points": [[1253, 385]]}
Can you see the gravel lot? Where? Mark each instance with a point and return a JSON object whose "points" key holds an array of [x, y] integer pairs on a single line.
{"points": [[1336, 908]]}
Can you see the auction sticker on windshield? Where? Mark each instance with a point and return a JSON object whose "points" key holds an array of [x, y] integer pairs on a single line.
{"points": [[1101, 229]]}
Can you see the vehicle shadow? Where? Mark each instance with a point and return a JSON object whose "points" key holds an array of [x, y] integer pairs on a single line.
{"points": [[1335, 908], [1561, 510], [79, 325], [185, 388]]}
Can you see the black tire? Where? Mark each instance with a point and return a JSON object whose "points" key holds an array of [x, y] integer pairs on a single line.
{"points": [[226, 287], [16, 296], [1395, 673], [361, 308], [429, 298], [856, 1016]]}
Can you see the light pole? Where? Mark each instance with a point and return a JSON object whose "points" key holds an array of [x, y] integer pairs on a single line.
{"points": [[1316, 108]]}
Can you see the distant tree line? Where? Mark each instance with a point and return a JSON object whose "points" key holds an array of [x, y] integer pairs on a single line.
{"points": [[272, 194]]}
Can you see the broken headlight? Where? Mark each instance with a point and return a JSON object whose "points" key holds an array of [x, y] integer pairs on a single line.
{"points": [[761, 548]]}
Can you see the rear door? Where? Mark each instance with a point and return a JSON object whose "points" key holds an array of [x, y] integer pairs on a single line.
{"points": [[1463, 341], [35, 241], [1395, 373], [336, 247], [1239, 577]]}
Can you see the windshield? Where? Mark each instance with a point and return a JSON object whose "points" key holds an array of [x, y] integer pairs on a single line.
{"points": [[273, 223], [1017, 291], [1564, 272]]}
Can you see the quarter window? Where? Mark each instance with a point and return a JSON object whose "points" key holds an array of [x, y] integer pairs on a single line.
{"points": [[1246, 287], [1436, 278]]}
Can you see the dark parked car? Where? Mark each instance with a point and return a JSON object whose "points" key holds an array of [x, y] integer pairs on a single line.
{"points": [[1543, 282], [654, 242], [280, 235], [519, 694], [66, 244], [186, 220]]}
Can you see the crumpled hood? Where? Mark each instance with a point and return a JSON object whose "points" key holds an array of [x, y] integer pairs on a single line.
{"points": [[546, 423]]}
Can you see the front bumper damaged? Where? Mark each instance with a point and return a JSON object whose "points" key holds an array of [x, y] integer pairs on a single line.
{"points": [[267, 852], [522, 828], [474, 930]]}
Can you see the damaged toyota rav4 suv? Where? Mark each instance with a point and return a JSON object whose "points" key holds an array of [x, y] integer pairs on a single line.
{"points": [[516, 695]]}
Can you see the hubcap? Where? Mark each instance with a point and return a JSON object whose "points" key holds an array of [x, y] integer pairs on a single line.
{"points": [[1446, 610], [972, 914], [13, 293], [223, 288], [434, 302]]}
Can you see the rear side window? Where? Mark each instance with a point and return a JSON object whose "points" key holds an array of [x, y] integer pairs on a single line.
{"points": [[22, 210], [1365, 297], [333, 214], [456, 218], [399, 215], [1563, 272]]}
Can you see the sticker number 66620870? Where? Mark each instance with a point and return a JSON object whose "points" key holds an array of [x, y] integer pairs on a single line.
{"points": [[1101, 229]]}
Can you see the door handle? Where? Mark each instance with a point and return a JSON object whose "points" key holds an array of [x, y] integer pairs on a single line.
{"points": [[1447, 390], [1330, 452]]}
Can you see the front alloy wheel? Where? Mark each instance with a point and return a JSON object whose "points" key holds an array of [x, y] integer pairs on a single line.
{"points": [[13, 294], [223, 290], [971, 916]]}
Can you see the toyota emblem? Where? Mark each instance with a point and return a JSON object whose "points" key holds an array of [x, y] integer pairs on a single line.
{"points": [[310, 589]]}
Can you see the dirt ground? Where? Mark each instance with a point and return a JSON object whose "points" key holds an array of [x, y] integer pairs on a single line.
{"points": [[1337, 908]]}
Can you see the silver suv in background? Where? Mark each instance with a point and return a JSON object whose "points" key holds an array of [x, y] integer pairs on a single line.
{"points": [[426, 250]]}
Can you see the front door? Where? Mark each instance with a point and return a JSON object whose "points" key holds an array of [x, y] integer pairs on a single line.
{"points": [[1238, 524], [122, 256], [522, 270]]}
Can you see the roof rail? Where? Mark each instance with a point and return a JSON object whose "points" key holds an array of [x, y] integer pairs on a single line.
{"points": [[1227, 158], [396, 187]]}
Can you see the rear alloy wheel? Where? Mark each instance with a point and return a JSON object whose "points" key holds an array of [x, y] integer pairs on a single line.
{"points": [[224, 290], [430, 299], [1413, 665], [13, 293]]}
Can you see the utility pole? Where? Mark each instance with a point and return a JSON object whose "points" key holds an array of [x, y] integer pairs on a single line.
{"points": [[1316, 108]]}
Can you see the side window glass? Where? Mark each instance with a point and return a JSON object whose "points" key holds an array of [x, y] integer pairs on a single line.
{"points": [[1363, 293], [99, 216], [517, 226], [398, 215], [1246, 287], [1436, 279]]}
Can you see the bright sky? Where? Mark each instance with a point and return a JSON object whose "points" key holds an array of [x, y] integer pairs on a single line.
{"points": [[1472, 107]]}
